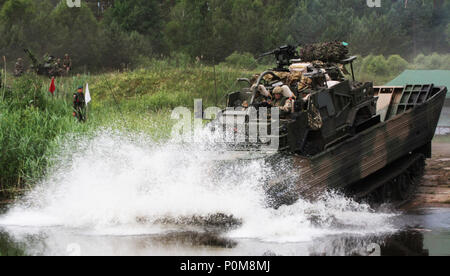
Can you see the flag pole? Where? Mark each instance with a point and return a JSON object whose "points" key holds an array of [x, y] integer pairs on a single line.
{"points": [[87, 99], [87, 111]]}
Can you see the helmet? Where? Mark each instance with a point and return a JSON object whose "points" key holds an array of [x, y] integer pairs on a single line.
{"points": [[278, 90]]}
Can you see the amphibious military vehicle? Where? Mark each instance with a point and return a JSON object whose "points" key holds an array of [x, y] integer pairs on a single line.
{"points": [[341, 134]]}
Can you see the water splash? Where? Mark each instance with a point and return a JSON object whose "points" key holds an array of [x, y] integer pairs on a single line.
{"points": [[118, 184]]}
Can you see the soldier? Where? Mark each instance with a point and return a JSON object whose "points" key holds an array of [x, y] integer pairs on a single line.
{"points": [[254, 79], [59, 67], [283, 103], [18, 69], [261, 96], [67, 63], [79, 105]]}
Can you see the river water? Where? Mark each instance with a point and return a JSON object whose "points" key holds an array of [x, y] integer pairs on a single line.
{"points": [[115, 194]]}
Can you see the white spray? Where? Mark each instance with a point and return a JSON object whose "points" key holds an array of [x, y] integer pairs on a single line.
{"points": [[118, 185]]}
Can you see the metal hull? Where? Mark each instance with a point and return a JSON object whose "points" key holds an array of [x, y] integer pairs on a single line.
{"points": [[370, 151]]}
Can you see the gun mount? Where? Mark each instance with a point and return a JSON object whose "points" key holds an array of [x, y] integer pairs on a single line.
{"points": [[284, 55], [51, 67]]}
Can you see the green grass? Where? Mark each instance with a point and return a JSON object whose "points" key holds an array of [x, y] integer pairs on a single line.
{"points": [[33, 123]]}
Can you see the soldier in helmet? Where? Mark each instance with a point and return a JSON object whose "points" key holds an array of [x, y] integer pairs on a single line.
{"points": [[79, 105], [262, 96], [67, 63], [18, 69], [283, 103], [59, 67]]}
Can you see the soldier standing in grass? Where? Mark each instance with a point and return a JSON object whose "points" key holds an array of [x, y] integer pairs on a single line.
{"points": [[79, 105], [67, 63], [18, 69]]}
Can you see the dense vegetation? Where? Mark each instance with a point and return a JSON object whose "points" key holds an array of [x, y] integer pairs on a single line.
{"points": [[134, 30], [33, 123]]}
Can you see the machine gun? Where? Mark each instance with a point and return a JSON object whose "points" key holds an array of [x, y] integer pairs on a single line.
{"points": [[32, 57], [49, 68], [284, 55]]}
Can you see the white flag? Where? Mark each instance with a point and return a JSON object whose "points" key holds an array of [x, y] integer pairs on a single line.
{"points": [[87, 95]]}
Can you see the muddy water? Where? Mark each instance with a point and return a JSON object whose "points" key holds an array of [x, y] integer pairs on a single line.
{"points": [[122, 195], [424, 232]]}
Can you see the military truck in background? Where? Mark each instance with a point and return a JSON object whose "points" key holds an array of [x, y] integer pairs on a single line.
{"points": [[50, 67], [369, 142]]}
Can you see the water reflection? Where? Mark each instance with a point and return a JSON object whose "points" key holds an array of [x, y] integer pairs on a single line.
{"points": [[424, 232], [404, 243], [57, 242]]}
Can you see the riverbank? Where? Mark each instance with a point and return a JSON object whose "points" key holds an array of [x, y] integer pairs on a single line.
{"points": [[434, 189], [35, 123]]}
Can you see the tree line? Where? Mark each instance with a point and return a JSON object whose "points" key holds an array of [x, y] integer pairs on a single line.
{"points": [[133, 31]]}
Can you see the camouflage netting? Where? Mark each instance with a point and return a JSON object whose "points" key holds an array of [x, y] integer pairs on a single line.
{"points": [[326, 52]]}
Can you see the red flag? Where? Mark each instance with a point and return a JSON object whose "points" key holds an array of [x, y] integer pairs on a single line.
{"points": [[52, 86]]}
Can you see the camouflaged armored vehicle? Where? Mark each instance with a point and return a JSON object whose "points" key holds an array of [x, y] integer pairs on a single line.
{"points": [[341, 134], [51, 67]]}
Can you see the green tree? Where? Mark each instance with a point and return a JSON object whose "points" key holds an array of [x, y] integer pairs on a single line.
{"points": [[189, 29], [15, 27], [75, 31], [142, 16]]}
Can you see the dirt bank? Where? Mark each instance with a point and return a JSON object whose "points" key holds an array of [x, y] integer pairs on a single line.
{"points": [[434, 190]]}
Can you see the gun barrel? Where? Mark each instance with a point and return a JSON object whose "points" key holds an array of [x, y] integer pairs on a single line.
{"points": [[32, 57], [267, 54]]}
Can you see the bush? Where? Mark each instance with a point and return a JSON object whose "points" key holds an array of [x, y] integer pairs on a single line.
{"points": [[241, 61], [25, 92], [397, 64], [432, 62], [376, 65], [419, 60], [181, 60]]}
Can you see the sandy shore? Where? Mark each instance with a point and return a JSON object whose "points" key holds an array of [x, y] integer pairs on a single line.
{"points": [[434, 190]]}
